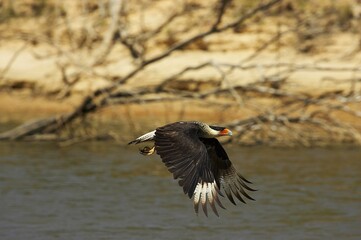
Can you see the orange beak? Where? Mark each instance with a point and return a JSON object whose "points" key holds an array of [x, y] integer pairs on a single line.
{"points": [[225, 132]]}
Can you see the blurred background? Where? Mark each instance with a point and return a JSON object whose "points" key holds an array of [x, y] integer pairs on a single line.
{"points": [[79, 79], [289, 71]]}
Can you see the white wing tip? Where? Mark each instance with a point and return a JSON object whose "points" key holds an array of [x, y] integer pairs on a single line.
{"points": [[205, 192]]}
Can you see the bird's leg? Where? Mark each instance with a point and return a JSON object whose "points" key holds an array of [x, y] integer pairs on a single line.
{"points": [[147, 150]]}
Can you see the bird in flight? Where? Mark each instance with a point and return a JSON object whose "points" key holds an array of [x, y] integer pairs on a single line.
{"points": [[193, 155]]}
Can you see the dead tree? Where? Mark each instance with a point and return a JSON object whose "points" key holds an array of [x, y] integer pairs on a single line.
{"points": [[285, 120], [100, 97]]}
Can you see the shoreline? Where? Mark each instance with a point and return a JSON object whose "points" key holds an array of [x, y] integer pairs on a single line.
{"points": [[123, 122]]}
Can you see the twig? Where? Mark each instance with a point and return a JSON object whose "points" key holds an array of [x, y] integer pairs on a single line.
{"points": [[221, 10], [230, 88], [12, 60], [108, 41]]}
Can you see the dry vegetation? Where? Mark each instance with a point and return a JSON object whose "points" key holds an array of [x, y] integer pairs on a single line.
{"points": [[277, 72]]}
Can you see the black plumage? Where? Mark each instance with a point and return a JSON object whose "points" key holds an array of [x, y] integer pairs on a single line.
{"points": [[192, 154]]}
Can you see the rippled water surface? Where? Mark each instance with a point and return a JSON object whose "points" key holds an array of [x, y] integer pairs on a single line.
{"points": [[106, 191]]}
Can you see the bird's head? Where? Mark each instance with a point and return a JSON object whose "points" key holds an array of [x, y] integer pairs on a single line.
{"points": [[222, 131]]}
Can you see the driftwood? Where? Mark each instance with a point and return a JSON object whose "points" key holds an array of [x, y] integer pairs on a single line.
{"points": [[27, 129]]}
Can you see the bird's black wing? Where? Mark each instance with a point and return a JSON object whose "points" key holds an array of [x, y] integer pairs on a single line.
{"points": [[225, 174], [187, 158]]}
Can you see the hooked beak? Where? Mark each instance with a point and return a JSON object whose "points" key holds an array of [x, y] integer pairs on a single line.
{"points": [[225, 132]]}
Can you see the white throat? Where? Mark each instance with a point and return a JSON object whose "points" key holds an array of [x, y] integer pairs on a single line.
{"points": [[208, 132]]}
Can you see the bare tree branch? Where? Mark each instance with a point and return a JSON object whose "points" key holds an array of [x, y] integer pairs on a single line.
{"points": [[12, 60], [108, 41]]}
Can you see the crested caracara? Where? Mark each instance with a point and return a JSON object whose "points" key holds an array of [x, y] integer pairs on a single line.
{"points": [[192, 153]]}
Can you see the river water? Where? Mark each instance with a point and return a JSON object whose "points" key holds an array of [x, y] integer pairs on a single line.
{"points": [[107, 191]]}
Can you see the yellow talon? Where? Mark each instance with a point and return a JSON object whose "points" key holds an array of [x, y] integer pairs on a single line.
{"points": [[147, 150]]}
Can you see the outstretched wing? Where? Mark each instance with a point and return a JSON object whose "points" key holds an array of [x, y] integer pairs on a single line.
{"points": [[201, 165], [183, 154], [187, 158], [233, 183]]}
